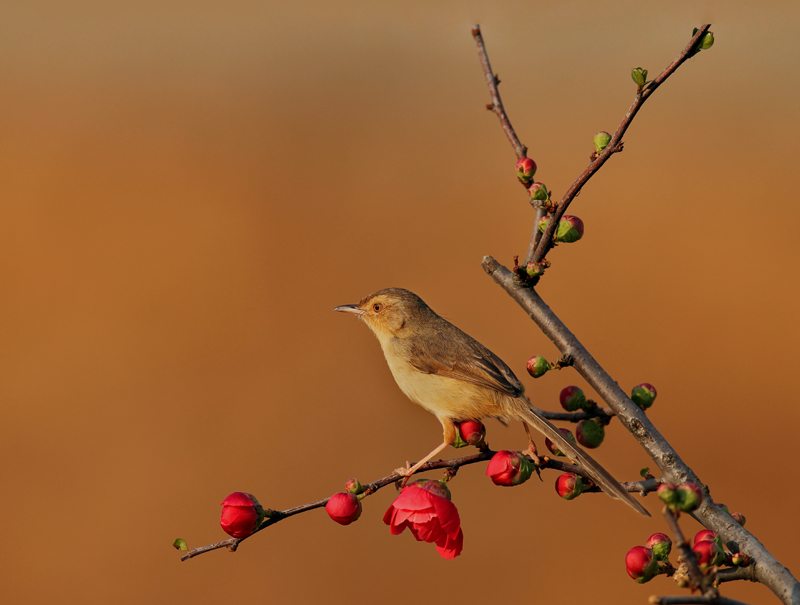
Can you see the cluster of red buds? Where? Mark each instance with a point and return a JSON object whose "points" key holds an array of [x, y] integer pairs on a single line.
{"points": [[590, 432], [643, 563]]}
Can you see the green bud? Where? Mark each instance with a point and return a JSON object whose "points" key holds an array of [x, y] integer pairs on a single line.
{"points": [[601, 141], [639, 76], [590, 433], [538, 192], [536, 269], [643, 395], [180, 544], [707, 41], [353, 486], [538, 366], [690, 497]]}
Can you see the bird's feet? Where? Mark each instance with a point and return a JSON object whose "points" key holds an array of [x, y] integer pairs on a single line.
{"points": [[405, 472], [533, 454]]}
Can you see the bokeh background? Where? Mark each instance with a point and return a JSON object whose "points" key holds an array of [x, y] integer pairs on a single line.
{"points": [[188, 190]]}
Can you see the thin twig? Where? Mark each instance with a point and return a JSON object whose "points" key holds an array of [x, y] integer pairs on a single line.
{"points": [[596, 412], [545, 243], [687, 554], [737, 573], [497, 104], [692, 600]]}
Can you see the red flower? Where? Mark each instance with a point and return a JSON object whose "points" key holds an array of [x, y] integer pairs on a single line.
{"points": [[507, 468], [343, 508], [241, 514], [424, 507]]}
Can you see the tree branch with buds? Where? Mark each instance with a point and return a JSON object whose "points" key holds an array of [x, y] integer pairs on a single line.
{"points": [[520, 287]]}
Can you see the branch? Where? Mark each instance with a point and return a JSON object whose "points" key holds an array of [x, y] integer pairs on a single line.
{"points": [[454, 464], [737, 573], [614, 146], [497, 104], [768, 570], [698, 580], [596, 412], [692, 600]]}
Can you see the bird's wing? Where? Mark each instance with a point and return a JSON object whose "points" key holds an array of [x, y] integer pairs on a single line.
{"points": [[466, 360]]}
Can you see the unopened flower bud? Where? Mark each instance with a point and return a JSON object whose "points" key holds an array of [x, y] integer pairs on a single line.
{"points": [[690, 497], [640, 564], [706, 553], [344, 508], [739, 518], [601, 141], [643, 395], [570, 229], [724, 507], [554, 448], [707, 41], [639, 76], [538, 191], [538, 366], [572, 398], [470, 432], [590, 433], [704, 535], [536, 269], [507, 468], [661, 545], [543, 222], [526, 168], [668, 495], [241, 514], [353, 486], [569, 486], [741, 560]]}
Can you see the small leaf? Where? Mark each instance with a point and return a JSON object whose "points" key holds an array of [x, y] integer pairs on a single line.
{"points": [[645, 471], [180, 544]]}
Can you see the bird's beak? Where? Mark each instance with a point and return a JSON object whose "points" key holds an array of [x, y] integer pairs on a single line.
{"points": [[350, 309]]}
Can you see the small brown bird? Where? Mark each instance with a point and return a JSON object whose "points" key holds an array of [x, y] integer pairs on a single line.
{"points": [[456, 378]]}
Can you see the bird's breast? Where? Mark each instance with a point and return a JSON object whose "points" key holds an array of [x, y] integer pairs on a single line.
{"points": [[442, 396]]}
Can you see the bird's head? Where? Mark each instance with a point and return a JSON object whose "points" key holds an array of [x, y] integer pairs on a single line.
{"points": [[390, 312]]}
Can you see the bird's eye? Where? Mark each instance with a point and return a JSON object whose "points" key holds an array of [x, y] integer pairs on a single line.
{"points": [[377, 307]]}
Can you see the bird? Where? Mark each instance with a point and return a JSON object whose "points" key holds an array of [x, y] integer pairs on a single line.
{"points": [[456, 378]]}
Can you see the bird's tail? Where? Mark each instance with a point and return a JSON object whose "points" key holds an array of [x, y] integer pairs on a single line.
{"points": [[525, 412]]}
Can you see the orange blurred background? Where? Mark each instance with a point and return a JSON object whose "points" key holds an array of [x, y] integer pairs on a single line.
{"points": [[188, 191]]}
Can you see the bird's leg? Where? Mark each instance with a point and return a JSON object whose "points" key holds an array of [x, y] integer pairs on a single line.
{"points": [[531, 451], [407, 472], [449, 437]]}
